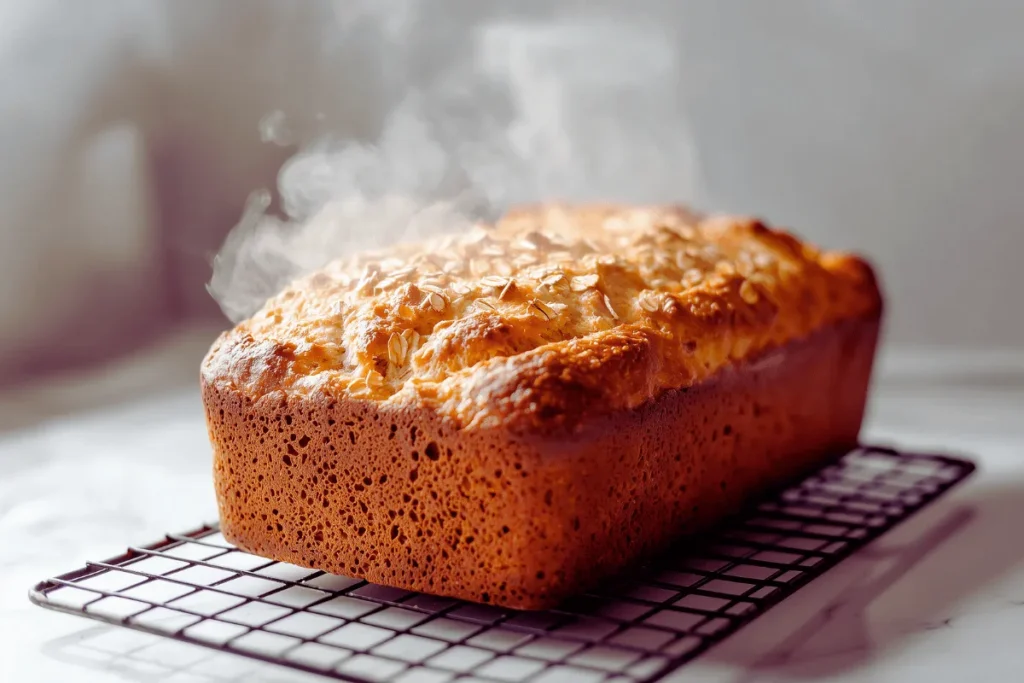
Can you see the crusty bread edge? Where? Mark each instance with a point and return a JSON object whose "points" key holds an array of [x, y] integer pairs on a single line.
{"points": [[401, 497]]}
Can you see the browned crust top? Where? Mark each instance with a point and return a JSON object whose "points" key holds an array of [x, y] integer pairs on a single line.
{"points": [[555, 313]]}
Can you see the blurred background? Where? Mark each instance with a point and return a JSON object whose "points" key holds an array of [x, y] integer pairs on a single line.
{"points": [[133, 133]]}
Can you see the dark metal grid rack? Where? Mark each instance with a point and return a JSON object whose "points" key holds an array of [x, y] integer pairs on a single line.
{"points": [[196, 587]]}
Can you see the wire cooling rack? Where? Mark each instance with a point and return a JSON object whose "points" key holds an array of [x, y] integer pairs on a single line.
{"points": [[196, 587]]}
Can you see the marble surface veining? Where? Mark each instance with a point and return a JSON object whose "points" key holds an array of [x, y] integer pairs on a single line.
{"points": [[93, 463]]}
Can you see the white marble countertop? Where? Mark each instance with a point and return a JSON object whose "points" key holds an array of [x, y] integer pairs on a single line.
{"points": [[93, 463]]}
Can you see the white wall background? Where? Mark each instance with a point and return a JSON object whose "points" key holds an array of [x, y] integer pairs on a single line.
{"points": [[130, 136]]}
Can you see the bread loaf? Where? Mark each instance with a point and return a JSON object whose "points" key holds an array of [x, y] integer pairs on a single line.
{"points": [[512, 415]]}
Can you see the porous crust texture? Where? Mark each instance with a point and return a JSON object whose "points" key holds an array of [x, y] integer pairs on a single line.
{"points": [[596, 408]]}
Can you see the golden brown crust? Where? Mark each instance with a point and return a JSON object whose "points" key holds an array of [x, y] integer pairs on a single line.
{"points": [[635, 375], [402, 497], [557, 311]]}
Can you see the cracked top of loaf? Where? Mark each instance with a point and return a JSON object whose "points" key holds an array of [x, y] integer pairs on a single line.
{"points": [[556, 312]]}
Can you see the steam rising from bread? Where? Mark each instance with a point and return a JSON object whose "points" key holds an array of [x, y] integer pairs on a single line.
{"points": [[572, 109]]}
